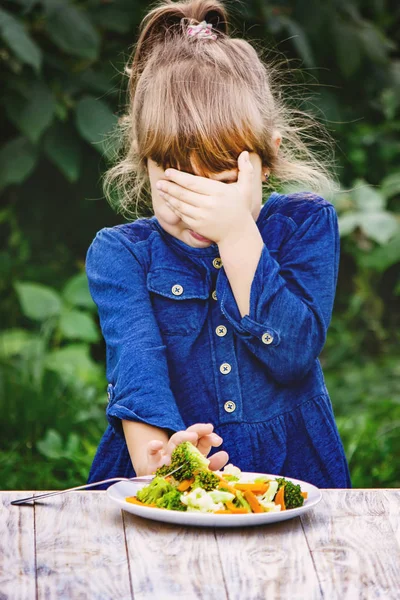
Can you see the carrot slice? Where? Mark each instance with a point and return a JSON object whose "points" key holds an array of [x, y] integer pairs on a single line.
{"points": [[256, 488], [280, 497], [222, 512], [304, 494], [252, 500], [185, 484], [225, 485], [235, 509]]}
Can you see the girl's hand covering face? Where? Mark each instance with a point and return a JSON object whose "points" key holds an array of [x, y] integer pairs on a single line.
{"points": [[200, 434], [213, 209]]}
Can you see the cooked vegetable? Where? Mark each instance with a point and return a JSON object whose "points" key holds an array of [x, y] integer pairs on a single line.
{"points": [[185, 484], [194, 487], [292, 493], [280, 497], [225, 486], [257, 488], [163, 471], [172, 501], [190, 457], [152, 492], [252, 500], [206, 479], [241, 502], [200, 500]]}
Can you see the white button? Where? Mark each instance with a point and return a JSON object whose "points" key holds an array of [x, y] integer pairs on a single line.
{"points": [[229, 406], [267, 338], [225, 368], [221, 330], [177, 290], [217, 263], [214, 294]]}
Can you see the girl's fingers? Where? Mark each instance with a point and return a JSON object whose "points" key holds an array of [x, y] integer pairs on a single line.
{"points": [[178, 438], [206, 442], [218, 460]]}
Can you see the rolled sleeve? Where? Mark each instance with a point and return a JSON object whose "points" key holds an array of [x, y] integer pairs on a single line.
{"points": [[291, 300], [137, 370]]}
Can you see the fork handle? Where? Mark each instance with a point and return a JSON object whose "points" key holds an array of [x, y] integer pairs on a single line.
{"points": [[80, 487]]}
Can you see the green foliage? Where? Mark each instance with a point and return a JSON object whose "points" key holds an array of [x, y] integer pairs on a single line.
{"points": [[62, 65]]}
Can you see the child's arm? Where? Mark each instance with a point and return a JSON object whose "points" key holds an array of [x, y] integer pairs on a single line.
{"points": [[137, 370], [290, 301]]}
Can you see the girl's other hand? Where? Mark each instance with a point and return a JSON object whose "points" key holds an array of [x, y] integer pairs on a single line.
{"points": [[200, 435]]}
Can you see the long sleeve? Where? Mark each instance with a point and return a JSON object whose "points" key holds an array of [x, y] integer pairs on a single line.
{"points": [[137, 370], [291, 300]]}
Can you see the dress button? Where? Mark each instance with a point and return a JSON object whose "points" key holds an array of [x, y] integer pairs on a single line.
{"points": [[214, 294], [221, 330], [177, 290], [225, 368], [229, 406], [217, 263], [267, 338]]}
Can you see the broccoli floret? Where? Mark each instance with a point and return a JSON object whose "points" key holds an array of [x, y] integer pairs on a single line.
{"points": [[207, 480], [155, 490], [172, 501], [163, 470], [190, 457], [292, 494]]}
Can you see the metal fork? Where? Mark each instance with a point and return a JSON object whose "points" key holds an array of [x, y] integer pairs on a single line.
{"points": [[89, 485]]}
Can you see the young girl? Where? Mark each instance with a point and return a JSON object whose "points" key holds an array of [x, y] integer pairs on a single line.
{"points": [[214, 310]]}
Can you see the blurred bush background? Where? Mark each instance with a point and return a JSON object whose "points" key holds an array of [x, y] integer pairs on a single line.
{"points": [[61, 65]]}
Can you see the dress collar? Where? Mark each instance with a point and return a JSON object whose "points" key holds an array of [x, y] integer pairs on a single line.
{"points": [[211, 250]]}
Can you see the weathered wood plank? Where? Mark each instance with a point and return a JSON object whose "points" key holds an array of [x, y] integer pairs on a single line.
{"points": [[272, 561], [170, 562], [392, 505], [17, 548], [353, 546], [80, 548]]}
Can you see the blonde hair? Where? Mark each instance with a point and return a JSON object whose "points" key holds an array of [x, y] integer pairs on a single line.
{"points": [[205, 101]]}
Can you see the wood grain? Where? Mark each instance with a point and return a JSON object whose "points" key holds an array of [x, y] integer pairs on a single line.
{"points": [[353, 547], [17, 548], [80, 548], [271, 561], [169, 562]]}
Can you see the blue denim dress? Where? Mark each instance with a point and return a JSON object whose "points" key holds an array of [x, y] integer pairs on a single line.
{"points": [[178, 351]]}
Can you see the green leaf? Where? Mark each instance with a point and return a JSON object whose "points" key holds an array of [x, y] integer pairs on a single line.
{"points": [[38, 302], [13, 342], [74, 363], [76, 292], [367, 198], [348, 222], [71, 30], [115, 18], [62, 148], [96, 124], [379, 226], [383, 257], [390, 186], [348, 48], [299, 40], [34, 114], [17, 161], [376, 44], [17, 39], [51, 445], [77, 325]]}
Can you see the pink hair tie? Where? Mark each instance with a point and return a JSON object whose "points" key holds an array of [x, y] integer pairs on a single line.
{"points": [[202, 30]]}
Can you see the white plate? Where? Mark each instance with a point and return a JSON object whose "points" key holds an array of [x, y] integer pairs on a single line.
{"points": [[119, 491]]}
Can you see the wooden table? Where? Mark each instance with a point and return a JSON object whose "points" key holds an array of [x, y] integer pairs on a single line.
{"points": [[81, 546]]}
